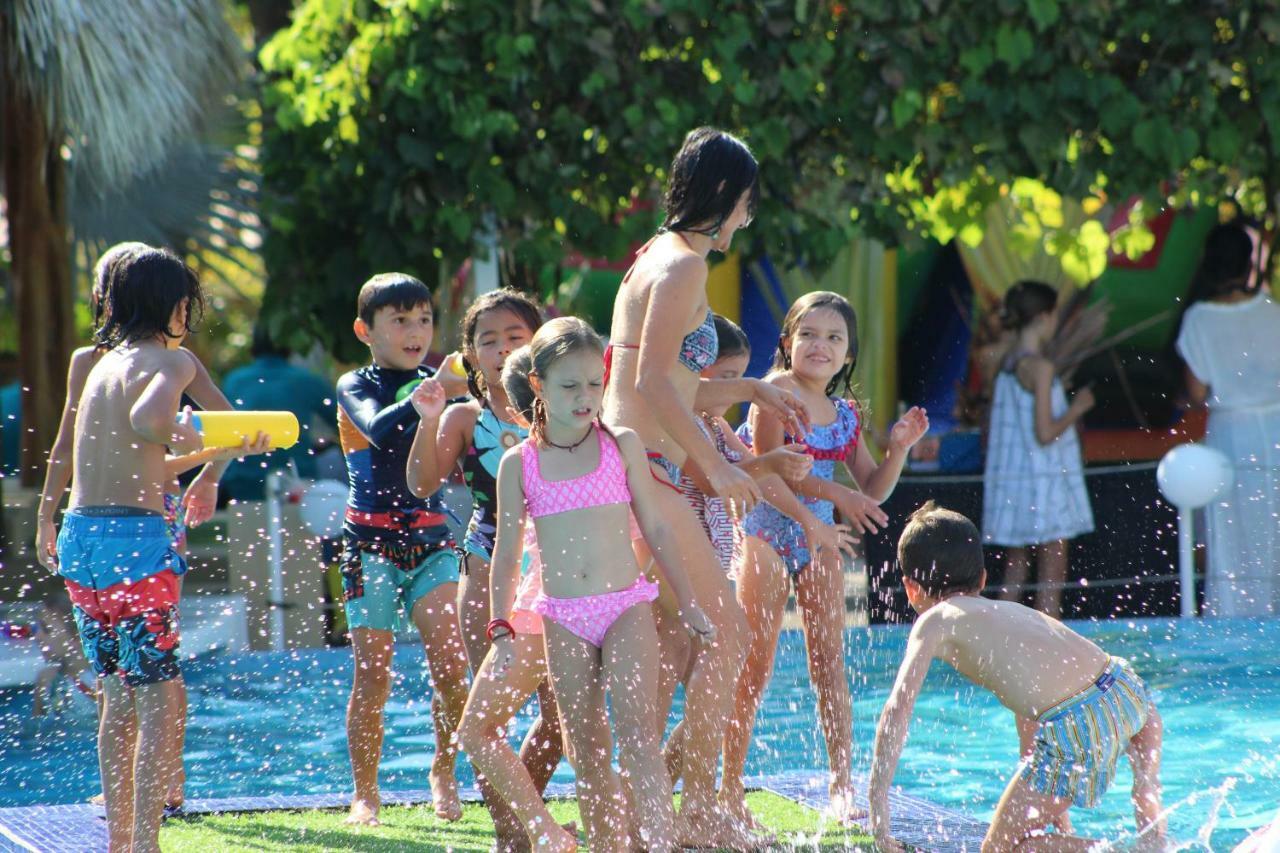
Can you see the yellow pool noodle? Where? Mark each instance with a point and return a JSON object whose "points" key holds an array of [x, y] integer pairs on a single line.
{"points": [[229, 429]]}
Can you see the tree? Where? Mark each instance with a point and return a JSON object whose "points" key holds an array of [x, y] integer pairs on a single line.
{"points": [[401, 126], [96, 94]]}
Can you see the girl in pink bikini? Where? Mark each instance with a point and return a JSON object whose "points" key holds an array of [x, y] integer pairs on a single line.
{"points": [[579, 483]]}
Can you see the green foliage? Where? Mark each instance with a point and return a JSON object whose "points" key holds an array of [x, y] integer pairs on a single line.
{"points": [[395, 129]]}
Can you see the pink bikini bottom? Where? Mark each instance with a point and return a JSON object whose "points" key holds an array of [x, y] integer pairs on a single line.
{"points": [[591, 616]]}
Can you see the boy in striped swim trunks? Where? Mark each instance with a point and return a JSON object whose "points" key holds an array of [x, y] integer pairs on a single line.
{"points": [[1077, 708]]}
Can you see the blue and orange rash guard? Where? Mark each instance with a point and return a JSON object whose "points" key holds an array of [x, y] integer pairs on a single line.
{"points": [[376, 431]]}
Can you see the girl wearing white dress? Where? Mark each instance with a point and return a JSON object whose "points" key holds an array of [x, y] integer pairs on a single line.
{"points": [[1230, 342], [1034, 495]]}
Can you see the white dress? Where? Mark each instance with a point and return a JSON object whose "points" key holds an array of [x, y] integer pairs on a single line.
{"points": [[1033, 493], [1234, 348]]}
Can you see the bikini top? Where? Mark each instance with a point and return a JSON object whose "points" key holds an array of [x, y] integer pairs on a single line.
{"points": [[698, 350], [607, 484]]}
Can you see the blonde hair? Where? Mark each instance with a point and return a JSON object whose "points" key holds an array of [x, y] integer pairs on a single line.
{"points": [[553, 341]]}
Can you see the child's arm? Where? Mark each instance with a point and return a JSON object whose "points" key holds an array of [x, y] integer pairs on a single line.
{"points": [[152, 415], [439, 441], [716, 395], [201, 496], [878, 481], [1047, 427], [648, 512], [379, 425], [507, 544], [895, 719], [58, 475]]}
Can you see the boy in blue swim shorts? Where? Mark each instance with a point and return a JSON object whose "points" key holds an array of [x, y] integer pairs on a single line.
{"points": [[1077, 708], [113, 551], [398, 556]]}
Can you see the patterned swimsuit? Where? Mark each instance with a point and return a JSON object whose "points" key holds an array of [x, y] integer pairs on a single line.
{"points": [[827, 445], [490, 438], [725, 536]]}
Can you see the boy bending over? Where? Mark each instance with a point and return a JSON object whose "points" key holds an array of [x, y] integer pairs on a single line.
{"points": [[1077, 708]]}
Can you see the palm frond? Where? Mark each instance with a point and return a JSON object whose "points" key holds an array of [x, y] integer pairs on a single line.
{"points": [[124, 80]]}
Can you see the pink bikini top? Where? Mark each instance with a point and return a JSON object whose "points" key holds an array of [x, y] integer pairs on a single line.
{"points": [[607, 484]]}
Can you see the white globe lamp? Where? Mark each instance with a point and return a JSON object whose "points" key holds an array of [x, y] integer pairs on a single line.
{"points": [[322, 507], [1191, 476]]}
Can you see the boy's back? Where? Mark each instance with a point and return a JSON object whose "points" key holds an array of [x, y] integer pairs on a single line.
{"points": [[1030, 661], [114, 465]]}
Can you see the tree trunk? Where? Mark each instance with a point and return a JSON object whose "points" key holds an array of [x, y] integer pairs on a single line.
{"points": [[35, 195]]}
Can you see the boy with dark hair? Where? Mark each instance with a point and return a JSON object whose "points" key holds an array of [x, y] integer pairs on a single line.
{"points": [[1077, 708], [398, 552], [114, 550]]}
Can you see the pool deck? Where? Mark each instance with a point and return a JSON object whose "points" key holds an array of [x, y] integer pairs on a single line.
{"points": [[81, 827]]}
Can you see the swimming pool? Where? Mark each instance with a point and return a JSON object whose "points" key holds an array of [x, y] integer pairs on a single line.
{"points": [[270, 723]]}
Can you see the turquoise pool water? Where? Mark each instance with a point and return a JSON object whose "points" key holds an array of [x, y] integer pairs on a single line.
{"points": [[267, 723]]}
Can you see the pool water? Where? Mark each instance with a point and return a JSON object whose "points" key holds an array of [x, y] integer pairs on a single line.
{"points": [[272, 723]]}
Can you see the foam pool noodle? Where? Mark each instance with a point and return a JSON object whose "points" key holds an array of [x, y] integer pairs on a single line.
{"points": [[229, 429]]}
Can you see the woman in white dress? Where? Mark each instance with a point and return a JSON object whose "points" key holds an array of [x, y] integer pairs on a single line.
{"points": [[1230, 341], [1034, 494]]}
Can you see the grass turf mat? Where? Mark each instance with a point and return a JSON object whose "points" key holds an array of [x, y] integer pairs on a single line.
{"points": [[417, 828]]}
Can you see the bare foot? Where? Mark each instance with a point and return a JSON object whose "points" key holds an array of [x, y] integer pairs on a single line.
{"points": [[363, 813], [444, 796], [716, 830], [735, 805], [561, 839], [842, 807]]}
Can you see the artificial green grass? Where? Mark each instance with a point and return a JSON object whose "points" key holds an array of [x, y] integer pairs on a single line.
{"points": [[417, 828]]}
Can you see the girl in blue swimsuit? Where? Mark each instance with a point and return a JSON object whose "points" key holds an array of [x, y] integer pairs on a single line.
{"points": [[473, 435], [816, 354]]}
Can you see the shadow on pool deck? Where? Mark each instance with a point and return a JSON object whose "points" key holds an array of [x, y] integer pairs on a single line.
{"points": [[53, 829]]}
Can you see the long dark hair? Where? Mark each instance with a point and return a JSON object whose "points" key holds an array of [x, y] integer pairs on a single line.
{"points": [[556, 339], [1225, 265], [1026, 301], [814, 301], [709, 174], [495, 300], [143, 288]]}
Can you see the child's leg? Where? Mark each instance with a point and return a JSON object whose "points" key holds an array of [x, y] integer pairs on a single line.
{"points": [[473, 608], [482, 733], [1052, 563], [1022, 811], [371, 650], [176, 794], [1144, 755], [117, 748], [578, 682], [543, 745], [630, 657], [158, 755], [820, 596], [436, 618], [1015, 573], [684, 546], [763, 589]]}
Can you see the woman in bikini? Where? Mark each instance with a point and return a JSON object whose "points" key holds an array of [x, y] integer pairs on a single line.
{"points": [[663, 337]]}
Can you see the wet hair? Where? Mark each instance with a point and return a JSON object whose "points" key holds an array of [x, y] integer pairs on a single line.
{"points": [[941, 550], [396, 289], [495, 300], [102, 272], [553, 341], [1024, 302], [515, 381], [1225, 264], [142, 289], [814, 301], [709, 174], [730, 339]]}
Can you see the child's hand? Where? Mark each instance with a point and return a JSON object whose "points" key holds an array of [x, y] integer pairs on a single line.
{"points": [[47, 545], [429, 399], [829, 538], [909, 429], [697, 623], [783, 405], [201, 498], [260, 444], [862, 514], [790, 462], [1083, 400], [738, 489], [183, 438], [502, 654]]}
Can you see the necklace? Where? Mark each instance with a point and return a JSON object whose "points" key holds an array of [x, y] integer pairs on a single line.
{"points": [[575, 445]]}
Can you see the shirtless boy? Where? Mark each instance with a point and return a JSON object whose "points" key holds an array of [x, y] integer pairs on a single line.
{"points": [[1077, 708], [114, 551]]}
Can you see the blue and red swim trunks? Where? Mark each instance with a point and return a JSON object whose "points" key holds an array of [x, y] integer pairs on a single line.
{"points": [[121, 572]]}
